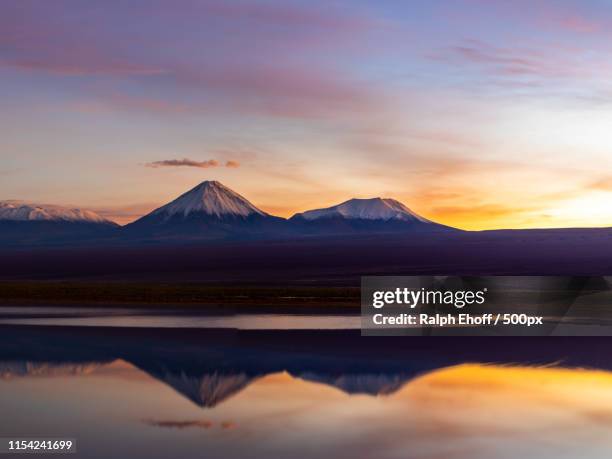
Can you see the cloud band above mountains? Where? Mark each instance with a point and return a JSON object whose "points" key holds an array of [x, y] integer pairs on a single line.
{"points": [[186, 162]]}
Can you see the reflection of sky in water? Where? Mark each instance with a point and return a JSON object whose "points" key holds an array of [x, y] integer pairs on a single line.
{"points": [[465, 411], [583, 325], [126, 317]]}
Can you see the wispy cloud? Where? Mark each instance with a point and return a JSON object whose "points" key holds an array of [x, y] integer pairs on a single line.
{"points": [[507, 61], [532, 70], [186, 162], [578, 17], [70, 40], [574, 22], [603, 184]]}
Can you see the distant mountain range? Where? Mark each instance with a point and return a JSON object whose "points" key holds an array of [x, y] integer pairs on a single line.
{"points": [[211, 387], [20, 211], [208, 211], [27, 223]]}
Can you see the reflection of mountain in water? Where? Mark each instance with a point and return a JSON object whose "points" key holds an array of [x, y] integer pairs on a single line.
{"points": [[211, 367], [207, 390], [20, 369], [370, 384]]}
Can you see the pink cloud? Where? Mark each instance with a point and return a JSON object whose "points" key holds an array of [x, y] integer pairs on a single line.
{"points": [[544, 70], [252, 57], [577, 23], [186, 162], [283, 93], [567, 17], [507, 61], [548, 15]]}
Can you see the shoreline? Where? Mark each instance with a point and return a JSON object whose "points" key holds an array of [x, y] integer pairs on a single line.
{"points": [[180, 296]]}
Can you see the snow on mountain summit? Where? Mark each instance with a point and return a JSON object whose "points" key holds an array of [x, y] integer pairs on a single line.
{"points": [[366, 209], [14, 210], [210, 198]]}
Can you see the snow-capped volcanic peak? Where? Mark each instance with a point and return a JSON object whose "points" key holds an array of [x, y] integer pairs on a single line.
{"points": [[22, 211], [366, 209], [210, 198]]}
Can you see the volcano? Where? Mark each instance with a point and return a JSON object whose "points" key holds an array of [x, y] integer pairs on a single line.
{"points": [[209, 211], [375, 215]]}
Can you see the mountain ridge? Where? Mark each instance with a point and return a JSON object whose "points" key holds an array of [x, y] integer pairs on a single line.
{"points": [[366, 209], [212, 210], [22, 211], [208, 211]]}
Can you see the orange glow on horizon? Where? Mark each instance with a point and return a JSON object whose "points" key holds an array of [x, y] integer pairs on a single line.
{"points": [[586, 210]]}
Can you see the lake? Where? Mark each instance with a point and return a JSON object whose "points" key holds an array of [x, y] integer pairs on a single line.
{"points": [[176, 318], [157, 388]]}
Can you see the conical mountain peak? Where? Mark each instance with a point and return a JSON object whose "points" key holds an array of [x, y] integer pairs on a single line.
{"points": [[210, 198]]}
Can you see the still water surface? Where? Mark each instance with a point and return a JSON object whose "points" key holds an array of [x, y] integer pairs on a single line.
{"points": [[468, 411], [126, 317], [139, 393]]}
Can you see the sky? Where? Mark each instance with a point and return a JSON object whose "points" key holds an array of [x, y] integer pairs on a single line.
{"points": [[477, 114]]}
